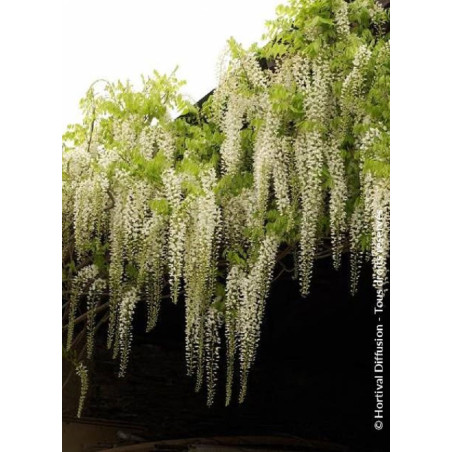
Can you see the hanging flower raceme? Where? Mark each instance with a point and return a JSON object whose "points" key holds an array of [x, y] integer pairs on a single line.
{"points": [[177, 229], [90, 220], [338, 199], [237, 218], [352, 89], [213, 323], [253, 293], [126, 311], [151, 265], [265, 150], [84, 278], [310, 150], [82, 371], [199, 278], [95, 293], [231, 152], [357, 233], [234, 282], [376, 210], [341, 18], [118, 250]]}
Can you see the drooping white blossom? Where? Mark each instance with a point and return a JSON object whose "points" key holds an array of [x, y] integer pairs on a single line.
{"points": [[341, 18], [213, 323], [80, 283], [199, 261], [232, 124], [177, 230], [94, 294], [338, 199], [90, 202], [234, 284], [151, 265], [82, 371], [351, 99], [357, 230], [254, 291], [310, 149], [376, 212], [266, 146], [126, 311]]}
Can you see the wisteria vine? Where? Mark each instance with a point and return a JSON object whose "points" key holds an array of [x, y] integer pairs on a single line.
{"points": [[289, 153]]}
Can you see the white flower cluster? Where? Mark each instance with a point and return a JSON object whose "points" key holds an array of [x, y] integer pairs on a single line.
{"points": [[341, 18], [151, 265], [135, 210], [310, 150], [300, 68], [106, 157], [318, 92], [376, 11], [380, 237], [82, 372], [128, 220], [94, 293], [357, 230], [137, 239], [233, 293], [155, 138], [371, 219], [90, 201], [79, 283], [352, 87], [254, 291], [165, 142], [338, 199], [232, 125], [213, 323], [253, 72], [177, 230], [77, 162], [266, 146], [280, 173], [246, 292], [116, 268], [117, 240], [199, 278], [75, 165], [147, 142], [376, 213], [125, 134], [237, 217], [227, 86], [126, 311]]}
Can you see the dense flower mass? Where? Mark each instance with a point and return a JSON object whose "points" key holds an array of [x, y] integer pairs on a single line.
{"points": [[289, 156]]}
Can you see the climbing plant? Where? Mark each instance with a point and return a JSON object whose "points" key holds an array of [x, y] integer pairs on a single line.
{"points": [[290, 154]]}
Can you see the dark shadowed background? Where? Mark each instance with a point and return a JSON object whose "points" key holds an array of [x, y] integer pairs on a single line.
{"points": [[313, 377]]}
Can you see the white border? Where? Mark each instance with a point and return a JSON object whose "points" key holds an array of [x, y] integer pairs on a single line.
{"points": [[30, 334]]}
